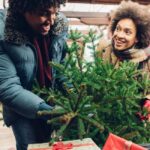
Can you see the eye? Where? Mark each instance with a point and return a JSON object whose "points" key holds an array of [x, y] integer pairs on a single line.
{"points": [[117, 28], [43, 13], [46, 13], [128, 32]]}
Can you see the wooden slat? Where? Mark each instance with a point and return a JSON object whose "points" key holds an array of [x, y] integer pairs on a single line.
{"points": [[88, 18], [89, 21], [73, 14], [95, 21], [107, 1], [75, 22]]}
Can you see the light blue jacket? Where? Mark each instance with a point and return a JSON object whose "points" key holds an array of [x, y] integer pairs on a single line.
{"points": [[18, 66]]}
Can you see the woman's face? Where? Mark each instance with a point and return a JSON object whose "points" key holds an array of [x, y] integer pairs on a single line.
{"points": [[124, 35], [41, 20]]}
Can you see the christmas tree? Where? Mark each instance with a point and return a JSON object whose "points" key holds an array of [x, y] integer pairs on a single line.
{"points": [[97, 98]]}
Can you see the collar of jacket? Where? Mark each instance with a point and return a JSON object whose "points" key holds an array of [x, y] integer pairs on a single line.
{"points": [[15, 28], [133, 54]]}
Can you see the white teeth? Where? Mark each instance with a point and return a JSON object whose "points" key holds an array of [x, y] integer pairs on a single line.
{"points": [[118, 41]]}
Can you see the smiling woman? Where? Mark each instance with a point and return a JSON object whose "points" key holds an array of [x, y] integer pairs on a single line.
{"points": [[130, 29], [124, 35]]}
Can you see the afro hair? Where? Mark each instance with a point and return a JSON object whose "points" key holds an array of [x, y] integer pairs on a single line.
{"points": [[140, 16], [21, 6]]}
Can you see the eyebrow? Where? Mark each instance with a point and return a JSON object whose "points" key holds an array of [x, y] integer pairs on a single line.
{"points": [[125, 27]]}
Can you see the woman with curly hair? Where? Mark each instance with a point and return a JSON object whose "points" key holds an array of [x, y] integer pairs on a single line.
{"points": [[35, 33], [130, 28]]}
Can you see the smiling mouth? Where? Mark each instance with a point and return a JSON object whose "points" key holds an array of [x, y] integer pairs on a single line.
{"points": [[119, 42], [45, 28]]}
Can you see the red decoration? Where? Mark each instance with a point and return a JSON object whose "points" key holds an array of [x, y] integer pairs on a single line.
{"points": [[62, 146], [117, 143], [147, 105]]}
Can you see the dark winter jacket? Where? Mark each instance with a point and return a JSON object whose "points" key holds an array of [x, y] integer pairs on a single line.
{"points": [[18, 66], [2, 24]]}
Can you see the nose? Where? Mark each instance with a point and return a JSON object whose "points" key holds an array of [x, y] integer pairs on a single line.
{"points": [[51, 18], [120, 34]]}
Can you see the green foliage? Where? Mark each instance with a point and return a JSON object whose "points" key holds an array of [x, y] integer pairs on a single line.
{"points": [[101, 98]]}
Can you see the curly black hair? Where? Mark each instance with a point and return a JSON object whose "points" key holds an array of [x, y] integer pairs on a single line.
{"points": [[21, 6], [140, 16]]}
